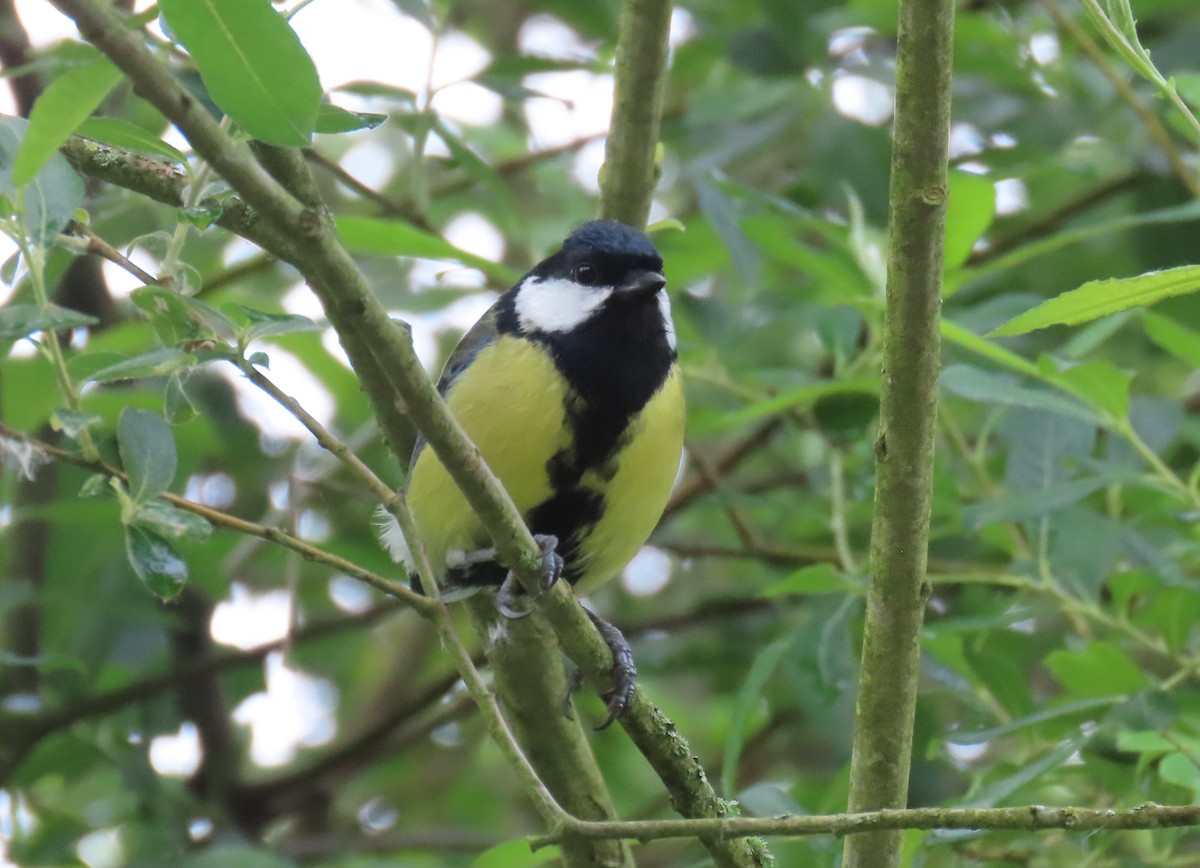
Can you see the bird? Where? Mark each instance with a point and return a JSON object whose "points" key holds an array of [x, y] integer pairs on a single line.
{"points": [[570, 387]]}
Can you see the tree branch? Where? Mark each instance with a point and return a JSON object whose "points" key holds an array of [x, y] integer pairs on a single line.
{"points": [[887, 687], [629, 154], [865, 825]]}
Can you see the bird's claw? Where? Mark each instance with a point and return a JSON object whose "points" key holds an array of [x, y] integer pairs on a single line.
{"points": [[624, 673], [510, 589]]}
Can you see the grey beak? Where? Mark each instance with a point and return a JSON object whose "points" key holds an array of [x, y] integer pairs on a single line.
{"points": [[643, 283]]}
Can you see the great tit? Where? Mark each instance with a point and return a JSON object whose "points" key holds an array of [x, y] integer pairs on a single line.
{"points": [[570, 387]]}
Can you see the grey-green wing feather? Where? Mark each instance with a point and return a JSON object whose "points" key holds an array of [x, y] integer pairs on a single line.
{"points": [[480, 335]]}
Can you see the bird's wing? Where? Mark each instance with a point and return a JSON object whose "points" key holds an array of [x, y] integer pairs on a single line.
{"points": [[480, 335]]}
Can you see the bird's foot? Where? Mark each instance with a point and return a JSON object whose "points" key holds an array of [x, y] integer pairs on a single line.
{"points": [[624, 674], [552, 569]]}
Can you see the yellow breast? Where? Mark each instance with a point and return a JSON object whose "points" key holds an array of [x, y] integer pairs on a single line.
{"points": [[510, 402]]}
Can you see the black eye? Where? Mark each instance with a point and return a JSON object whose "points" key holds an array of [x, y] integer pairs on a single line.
{"points": [[586, 274]]}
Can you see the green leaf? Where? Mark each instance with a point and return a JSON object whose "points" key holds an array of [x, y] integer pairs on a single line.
{"points": [[1032, 504], [804, 395], [73, 422], [202, 215], [1099, 384], [177, 406], [155, 363], [392, 238], [516, 854], [264, 324], [1075, 708], [58, 112], [815, 579], [123, 134], [252, 64], [1178, 340], [1180, 769], [48, 202], [1026, 773], [171, 523], [147, 453], [1100, 669], [332, 119], [1144, 741], [179, 318], [975, 384], [155, 562], [969, 213], [1099, 298], [20, 320]]}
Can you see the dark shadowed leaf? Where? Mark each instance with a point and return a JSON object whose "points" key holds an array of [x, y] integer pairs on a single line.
{"points": [[155, 562]]}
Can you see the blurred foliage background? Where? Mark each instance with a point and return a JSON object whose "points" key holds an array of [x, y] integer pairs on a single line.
{"points": [[274, 713]]}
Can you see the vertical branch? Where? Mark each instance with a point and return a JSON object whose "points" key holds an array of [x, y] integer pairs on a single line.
{"points": [[908, 410], [628, 183]]}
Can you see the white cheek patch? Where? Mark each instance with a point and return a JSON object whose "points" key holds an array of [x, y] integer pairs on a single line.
{"points": [[664, 307], [557, 305]]}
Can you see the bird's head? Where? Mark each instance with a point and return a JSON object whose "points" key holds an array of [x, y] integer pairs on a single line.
{"points": [[603, 266]]}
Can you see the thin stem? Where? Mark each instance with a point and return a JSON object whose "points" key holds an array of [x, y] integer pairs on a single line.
{"points": [[860, 824], [309, 552], [36, 261], [837, 512], [84, 240]]}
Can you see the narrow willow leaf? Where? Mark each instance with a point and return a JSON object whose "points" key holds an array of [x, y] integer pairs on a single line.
{"points": [[1100, 385], [332, 119], [252, 64], [1178, 340], [392, 238], [761, 670], [147, 453], [1032, 504], [20, 320], [155, 363], [48, 202], [155, 562], [802, 396], [975, 384], [969, 212], [1099, 298], [814, 579], [62, 107], [123, 134]]}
